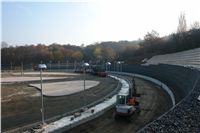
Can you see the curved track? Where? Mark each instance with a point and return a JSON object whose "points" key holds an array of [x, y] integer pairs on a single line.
{"points": [[153, 100], [23, 107]]}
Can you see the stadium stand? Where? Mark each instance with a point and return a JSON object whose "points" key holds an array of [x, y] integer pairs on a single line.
{"points": [[189, 58]]}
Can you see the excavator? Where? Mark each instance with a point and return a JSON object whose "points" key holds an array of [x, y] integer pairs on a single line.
{"points": [[98, 71], [126, 104]]}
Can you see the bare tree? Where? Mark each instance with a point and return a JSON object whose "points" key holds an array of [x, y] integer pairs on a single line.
{"points": [[195, 25], [182, 26], [151, 35]]}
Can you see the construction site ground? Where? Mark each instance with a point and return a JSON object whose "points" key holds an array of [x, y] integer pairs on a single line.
{"points": [[21, 103], [153, 101]]}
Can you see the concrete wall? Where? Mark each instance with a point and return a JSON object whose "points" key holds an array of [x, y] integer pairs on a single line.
{"points": [[179, 79]]}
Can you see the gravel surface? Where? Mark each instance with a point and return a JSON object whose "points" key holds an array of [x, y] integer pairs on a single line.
{"points": [[184, 118]]}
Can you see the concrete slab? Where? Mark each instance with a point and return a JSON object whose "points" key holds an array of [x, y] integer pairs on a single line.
{"points": [[65, 88]]}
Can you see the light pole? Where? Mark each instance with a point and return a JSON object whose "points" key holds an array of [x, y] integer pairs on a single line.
{"points": [[58, 65], [118, 66], [22, 69], [74, 65], [41, 67], [114, 66], [67, 65], [85, 65], [108, 64], [11, 66], [119, 63], [50, 64]]}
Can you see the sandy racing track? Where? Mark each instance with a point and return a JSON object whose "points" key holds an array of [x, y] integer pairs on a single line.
{"points": [[33, 76], [65, 88], [21, 104], [154, 102]]}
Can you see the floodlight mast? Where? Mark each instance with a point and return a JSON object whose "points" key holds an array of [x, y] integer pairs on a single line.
{"points": [[85, 65], [41, 67], [118, 66], [119, 63], [108, 64], [42, 109]]}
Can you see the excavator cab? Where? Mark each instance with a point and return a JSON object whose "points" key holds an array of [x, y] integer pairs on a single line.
{"points": [[122, 99], [125, 99], [123, 108]]}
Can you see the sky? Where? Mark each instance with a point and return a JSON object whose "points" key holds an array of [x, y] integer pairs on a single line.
{"points": [[86, 22]]}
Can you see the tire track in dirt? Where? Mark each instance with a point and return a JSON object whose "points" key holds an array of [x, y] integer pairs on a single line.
{"points": [[153, 101]]}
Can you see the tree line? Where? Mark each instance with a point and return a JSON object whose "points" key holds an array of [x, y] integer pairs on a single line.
{"points": [[155, 45], [34, 54], [128, 51]]}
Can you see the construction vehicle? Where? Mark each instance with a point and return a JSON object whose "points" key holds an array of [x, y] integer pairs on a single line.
{"points": [[98, 71], [83, 68], [126, 104]]}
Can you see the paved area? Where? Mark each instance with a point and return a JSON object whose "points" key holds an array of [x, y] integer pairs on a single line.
{"points": [[65, 88]]}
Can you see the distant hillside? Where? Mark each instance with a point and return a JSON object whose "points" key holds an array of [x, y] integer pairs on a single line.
{"points": [[116, 46], [170, 44], [128, 51]]}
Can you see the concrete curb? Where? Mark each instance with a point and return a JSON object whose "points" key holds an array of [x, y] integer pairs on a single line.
{"points": [[67, 123], [163, 86]]}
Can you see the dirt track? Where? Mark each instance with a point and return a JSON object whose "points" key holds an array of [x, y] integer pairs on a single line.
{"points": [[65, 88], [21, 103], [24, 107], [154, 102]]}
